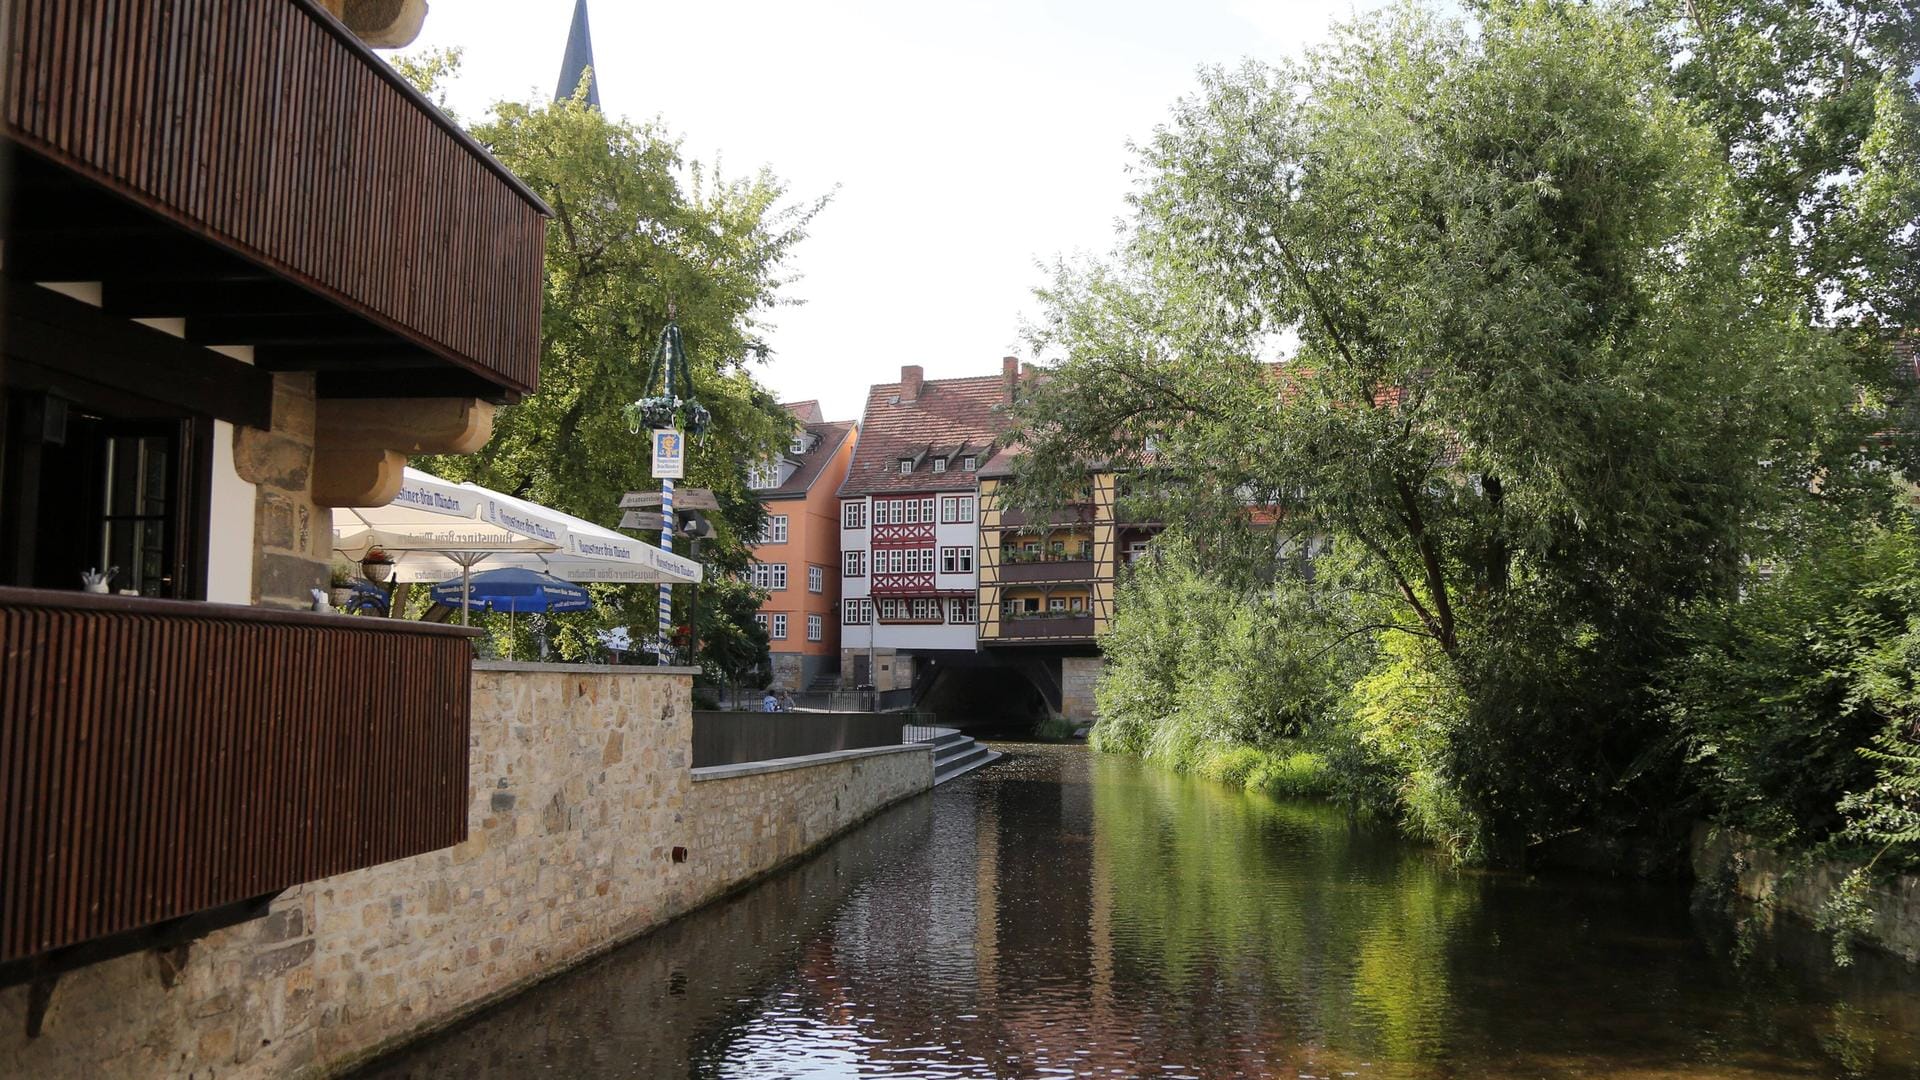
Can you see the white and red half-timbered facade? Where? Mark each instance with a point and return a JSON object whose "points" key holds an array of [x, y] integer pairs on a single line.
{"points": [[909, 524]]}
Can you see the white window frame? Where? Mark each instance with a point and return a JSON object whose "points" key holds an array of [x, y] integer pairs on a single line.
{"points": [[815, 631], [851, 612], [853, 564], [775, 531], [939, 464], [763, 476], [913, 512], [956, 509], [779, 632], [889, 608], [906, 466], [761, 618], [816, 578], [970, 463], [926, 509], [798, 445], [853, 514], [956, 560]]}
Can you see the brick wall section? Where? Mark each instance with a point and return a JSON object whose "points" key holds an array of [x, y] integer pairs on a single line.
{"points": [[581, 788], [293, 536]]}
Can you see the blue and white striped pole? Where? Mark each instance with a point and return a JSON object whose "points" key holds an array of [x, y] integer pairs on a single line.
{"points": [[666, 544]]}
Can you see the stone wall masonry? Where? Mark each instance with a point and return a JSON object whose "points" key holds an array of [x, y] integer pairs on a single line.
{"points": [[293, 535], [581, 791], [1801, 888], [1078, 677]]}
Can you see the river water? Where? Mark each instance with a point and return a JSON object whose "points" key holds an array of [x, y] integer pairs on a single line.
{"points": [[1063, 913]]}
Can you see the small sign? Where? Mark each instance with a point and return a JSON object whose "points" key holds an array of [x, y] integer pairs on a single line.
{"points": [[669, 454]]}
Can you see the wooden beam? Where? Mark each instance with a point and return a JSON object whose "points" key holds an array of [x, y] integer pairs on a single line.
{"points": [[343, 358], [298, 329], [60, 333], [136, 299], [385, 382]]}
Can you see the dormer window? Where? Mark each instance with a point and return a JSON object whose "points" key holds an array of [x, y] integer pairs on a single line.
{"points": [[939, 464], [906, 465], [969, 463], [798, 446]]}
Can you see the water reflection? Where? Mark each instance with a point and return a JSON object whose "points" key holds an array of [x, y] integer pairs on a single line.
{"points": [[1067, 915]]}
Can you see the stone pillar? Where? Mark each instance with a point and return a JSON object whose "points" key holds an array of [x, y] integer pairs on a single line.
{"points": [[1078, 674], [293, 535]]}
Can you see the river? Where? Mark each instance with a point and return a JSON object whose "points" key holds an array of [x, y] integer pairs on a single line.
{"points": [[1062, 913]]}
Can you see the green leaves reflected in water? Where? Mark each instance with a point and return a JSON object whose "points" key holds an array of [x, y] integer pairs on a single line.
{"points": [[1348, 928]]}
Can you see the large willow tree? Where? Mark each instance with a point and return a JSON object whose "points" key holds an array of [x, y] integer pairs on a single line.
{"points": [[1543, 390]]}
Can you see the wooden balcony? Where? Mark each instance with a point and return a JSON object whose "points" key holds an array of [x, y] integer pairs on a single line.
{"points": [[250, 167], [163, 759], [1045, 570], [1075, 514], [1065, 626]]}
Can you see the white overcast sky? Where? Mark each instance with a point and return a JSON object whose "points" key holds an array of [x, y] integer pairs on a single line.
{"points": [[966, 141]]}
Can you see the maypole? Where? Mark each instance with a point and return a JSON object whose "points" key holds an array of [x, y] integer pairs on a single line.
{"points": [[670, 405]]}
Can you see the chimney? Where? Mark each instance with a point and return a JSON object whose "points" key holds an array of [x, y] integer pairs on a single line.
{"points": [[1009, 375], [911, 376]]}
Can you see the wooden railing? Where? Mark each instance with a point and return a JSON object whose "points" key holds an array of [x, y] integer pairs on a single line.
{"points": [[1048, 624], [163, 758], [266, 127], [1046, 569]]}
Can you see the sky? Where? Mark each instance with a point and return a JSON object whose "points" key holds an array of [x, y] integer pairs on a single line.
{"points": [[964, 145]]}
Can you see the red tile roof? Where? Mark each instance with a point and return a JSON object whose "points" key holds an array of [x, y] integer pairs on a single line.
{"points": [[950, 419], [807, 412], [826, 442]]}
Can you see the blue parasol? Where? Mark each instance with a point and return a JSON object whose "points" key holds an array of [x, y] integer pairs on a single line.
{"points": [[514, 590]]}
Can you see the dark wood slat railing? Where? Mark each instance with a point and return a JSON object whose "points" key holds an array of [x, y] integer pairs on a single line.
{"points": [[266, 127], [1051, 625], [161, 758]]}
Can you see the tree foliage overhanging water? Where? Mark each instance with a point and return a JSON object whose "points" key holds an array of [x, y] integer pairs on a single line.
{"points": [[1593, 395]]}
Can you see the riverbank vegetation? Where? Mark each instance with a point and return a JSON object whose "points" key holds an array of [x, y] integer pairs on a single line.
{"points": [[1570, 512]]}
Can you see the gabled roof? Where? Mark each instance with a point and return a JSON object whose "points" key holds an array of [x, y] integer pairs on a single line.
{"points": [[948, 419], [807, 412], [826, 439]]}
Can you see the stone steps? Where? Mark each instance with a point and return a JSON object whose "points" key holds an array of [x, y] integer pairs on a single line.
{"points": [[955, 754]]}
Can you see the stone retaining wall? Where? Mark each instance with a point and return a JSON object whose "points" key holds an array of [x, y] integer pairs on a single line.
{"points": [[1758, 873], [581, 793]]}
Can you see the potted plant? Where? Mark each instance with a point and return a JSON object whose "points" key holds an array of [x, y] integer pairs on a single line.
{"points": [[340, 584]]}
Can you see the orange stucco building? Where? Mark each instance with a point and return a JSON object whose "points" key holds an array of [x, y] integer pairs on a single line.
{"points": [[798, 558]]}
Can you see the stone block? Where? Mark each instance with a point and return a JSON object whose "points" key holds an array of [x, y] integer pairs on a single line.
{"points": [[286, 580], [272, 459], [273, 520]]}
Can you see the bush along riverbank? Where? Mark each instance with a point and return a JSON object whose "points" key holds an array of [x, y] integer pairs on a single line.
{"points": [[1568, 514]]}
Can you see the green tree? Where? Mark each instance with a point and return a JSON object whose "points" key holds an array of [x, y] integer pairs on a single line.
{"points": [[1536, 389], [638, 233]]}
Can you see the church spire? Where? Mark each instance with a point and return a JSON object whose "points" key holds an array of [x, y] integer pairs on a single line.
{"points": [[578, 58]]}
